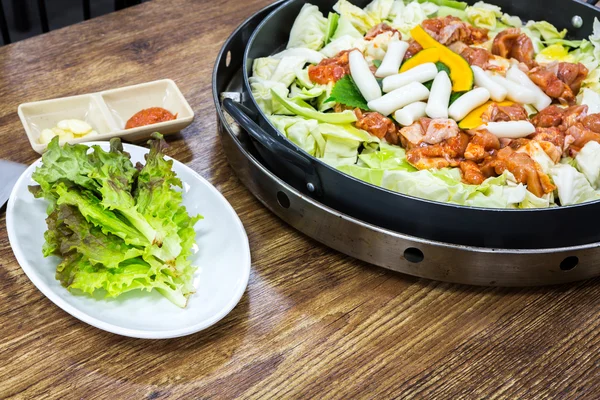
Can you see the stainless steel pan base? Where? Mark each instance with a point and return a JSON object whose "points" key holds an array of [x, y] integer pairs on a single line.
{"points": [[364, 241]]}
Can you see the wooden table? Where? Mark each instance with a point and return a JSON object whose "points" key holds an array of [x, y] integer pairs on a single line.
{"points": [[313, 323]]}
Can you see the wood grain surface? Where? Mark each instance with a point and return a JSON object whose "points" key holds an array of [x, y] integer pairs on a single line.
{"points": [[313, 323]]}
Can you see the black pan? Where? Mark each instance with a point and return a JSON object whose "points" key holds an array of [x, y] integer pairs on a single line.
{"points": [[492, 228]]}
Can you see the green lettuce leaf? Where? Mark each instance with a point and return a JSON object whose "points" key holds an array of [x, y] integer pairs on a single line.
{"points": [[89, 241], [69, 164], [115, 173], [158, 201], [93, 211], [116, 227]]}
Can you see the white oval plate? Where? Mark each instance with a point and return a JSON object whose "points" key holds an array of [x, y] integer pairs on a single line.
{"points": [[223, 261]]}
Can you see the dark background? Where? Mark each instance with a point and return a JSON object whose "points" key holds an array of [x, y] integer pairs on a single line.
{"points": [[23, 16]]}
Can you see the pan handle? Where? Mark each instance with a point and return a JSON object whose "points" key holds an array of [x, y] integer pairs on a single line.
{"points": [[241, 114]]}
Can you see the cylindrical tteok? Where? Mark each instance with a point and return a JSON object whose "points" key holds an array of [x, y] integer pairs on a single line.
{"points": [[399, 98], [409, 114], [392, 59], [516, 92], [422, 73], [363, 77], [497, 91], [468, 102], [510, 129], [439, 96], [516, 75]]}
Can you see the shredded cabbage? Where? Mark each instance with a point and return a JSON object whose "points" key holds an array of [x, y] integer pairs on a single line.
{"points": [[572, 185], [483, 15], [407, 16], [359, 18], [309, 29]]}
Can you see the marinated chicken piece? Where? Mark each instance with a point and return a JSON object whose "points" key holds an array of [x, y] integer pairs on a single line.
{"points": [[549, 117], [439, 130], [524, 168], [561, 81], [393, 136], [559, 117], [511, 43], [413, 134], [378, 125], [479, 57], [497, 113], [553, 135], [448, 153], [330, 69], [379, 29], [413, 48], [482, 145], [573, 115], [516, 144], [449, 29], [553, 151], [577, 137], [572, 75], [592, 122], [546, 79], [530, 147], [471, 173]]}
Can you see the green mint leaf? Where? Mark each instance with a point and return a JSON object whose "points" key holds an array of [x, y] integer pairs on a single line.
{"points": [[346, 92], [442, 67]]}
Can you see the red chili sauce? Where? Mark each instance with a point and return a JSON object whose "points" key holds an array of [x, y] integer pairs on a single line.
{"points": [[149, 116]]}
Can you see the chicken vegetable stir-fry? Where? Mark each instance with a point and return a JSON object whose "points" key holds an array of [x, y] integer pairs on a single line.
{"points": [[440, 100]]}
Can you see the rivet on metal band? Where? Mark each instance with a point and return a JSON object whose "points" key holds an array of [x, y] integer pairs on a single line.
{"points": [[310, 187]]}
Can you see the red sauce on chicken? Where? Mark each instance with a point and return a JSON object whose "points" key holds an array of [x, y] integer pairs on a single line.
{"points": [[149, 116], [330, 69]]}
